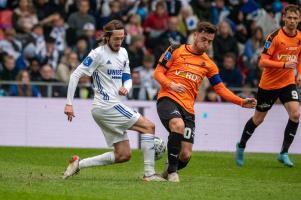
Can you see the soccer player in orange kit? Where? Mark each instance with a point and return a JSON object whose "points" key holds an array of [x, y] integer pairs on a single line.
{"points": [[180, 72], [280, 58]]}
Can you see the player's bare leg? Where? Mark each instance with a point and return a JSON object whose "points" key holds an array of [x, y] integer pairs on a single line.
{"points": [[147, 130]]}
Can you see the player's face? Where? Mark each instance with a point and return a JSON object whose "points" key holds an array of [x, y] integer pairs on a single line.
{"points": [[202, 41], [291, 20], [116, 40]]}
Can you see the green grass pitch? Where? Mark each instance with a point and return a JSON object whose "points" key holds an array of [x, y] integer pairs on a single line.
{"points": [[35, 173]]}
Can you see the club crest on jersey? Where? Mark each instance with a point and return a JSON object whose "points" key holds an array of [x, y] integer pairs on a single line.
{"points": [[88, 61], [167, 56], [267, 44]]}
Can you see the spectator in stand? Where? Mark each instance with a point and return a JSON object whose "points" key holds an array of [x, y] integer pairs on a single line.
{"points": [[138, 92], [11, 45], [24, 87], [9, 71], [246, 92], [81, 48], [219, 11], [66, 67], [187, 21], [24, 17], [84, 89], [147, 77], [136, 51], [59, 33], [89, 33], [201, 8], [44, 8], [78, 19], [173, 7], [230, 74], [133, 28], [223, 43], [211, 95], [253, 49], [51, 55], [35, 45], [155, 23], [48, 74], [34, 69], [170, 36]]}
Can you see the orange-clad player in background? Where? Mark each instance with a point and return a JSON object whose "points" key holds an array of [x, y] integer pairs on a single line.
{"points": [[280, 60], [180, 73]]}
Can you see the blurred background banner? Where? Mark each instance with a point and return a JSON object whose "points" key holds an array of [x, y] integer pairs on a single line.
{"points": [[41, 122]]}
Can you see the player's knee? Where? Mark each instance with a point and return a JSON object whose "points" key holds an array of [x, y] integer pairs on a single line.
{"points": [[151, 127], [295, 115], [185, 156], [177, 126], [258, 120]]}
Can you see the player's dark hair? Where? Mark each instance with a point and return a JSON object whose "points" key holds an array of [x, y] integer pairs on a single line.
{"points": [[206, 27], [292, 8], [108, 30]]}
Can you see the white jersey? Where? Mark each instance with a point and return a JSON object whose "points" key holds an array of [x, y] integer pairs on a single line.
{"points": [[106, 68]]}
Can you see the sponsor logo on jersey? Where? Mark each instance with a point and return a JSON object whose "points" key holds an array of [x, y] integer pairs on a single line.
{"points": [[286, 57], [267, 44], [188, 75], [115, 73], [88, 61]]}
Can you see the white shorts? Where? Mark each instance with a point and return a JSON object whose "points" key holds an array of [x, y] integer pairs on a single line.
{"points": [[114, 121]]}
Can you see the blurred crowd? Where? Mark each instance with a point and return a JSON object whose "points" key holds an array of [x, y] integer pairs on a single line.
{"points": [[45, 40]]}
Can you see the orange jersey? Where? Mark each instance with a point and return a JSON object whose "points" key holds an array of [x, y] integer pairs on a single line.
{"points": [[185, 67], [278, 49]]}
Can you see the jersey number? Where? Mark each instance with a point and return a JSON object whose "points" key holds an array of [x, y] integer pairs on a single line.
{"points": [[295, 94], [187, 133]]}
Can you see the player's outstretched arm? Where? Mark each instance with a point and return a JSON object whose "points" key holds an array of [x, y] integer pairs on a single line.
{"points": [[266, 62], [74, 78], [224, 92]]}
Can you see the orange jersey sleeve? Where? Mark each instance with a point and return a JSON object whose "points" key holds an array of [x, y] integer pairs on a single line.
{"points": [[279, 48], [220, 88], [224, 92], [266, 62]]}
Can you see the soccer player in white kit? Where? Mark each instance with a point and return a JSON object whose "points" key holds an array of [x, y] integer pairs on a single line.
{"points": [[109, 66]]}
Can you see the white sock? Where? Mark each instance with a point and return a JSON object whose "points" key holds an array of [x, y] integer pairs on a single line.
{"points": [[107, 158], [147, 146]]}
